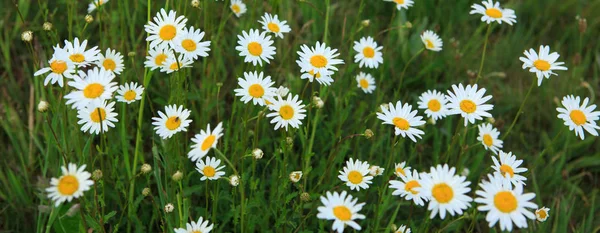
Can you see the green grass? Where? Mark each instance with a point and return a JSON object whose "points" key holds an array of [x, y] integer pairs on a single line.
{"points": [[563, 170]]}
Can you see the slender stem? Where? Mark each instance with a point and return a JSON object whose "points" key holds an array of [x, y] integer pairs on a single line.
{"points": [[242, 194], [406, 67], [519, 112], [487, 34], [552, 142], [327, 3]]}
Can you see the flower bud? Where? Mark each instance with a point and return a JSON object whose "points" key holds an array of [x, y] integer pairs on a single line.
{"points": [[234, 180], [97, 175], [257, 153], [146, 168], [27, 36], [177, 176], [169, 208], [43, 106], [89, 19], [368, 133], [365, 23], [47, 26]]}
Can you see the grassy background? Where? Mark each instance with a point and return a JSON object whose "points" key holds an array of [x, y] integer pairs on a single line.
{"points": [[565, 178]]}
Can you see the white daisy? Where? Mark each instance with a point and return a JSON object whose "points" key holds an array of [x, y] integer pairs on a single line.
{"points": [[492, 12], [96, 4], [488, 136], [402, 3], [238, 7], [97, 117], [434, 103], [375, 170], [164, 28], [508, 167], [432, 41], [286, 112], [469, 103], [171, 65], [60, 65], [369, 55], [323, 78], [400, 169], [204, 141], [579, 117], [113, 61], [407, 188], [200, 226], [356, 175], [210, 169], [255, 47], [71, 184], [366, 82], [542, 64], [188, 43], [542, 214], [402, 229], [79, 55], [157, 56], [255, 87], [342, 209], [404, 120], [96, 84], [318, 59], [272, 24], [446, 191], [130, 92], [174, 120], [504, 203]]}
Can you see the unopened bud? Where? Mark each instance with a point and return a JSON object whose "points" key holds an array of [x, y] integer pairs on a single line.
{"points": [[195, 3], [408, 25], [582, 24], [289, 141], [97, 174], [146, 192], [305, 197], [131, 54], [43, 106], [47, 26], [234, 180], [257, 153], [169, 208], [368, 133], [177, 176], [318, 102], [146, 168], [89, 19], [27, 36], [365, 23]]}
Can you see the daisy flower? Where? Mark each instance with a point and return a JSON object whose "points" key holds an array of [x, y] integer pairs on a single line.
{"points": [[113, 61], [295, 176], [195, 227], [256, 88], [286, 112], [434, 103], [318, 59], [402, 229], [400, 169], [492, 12], [342, 209], [97, 117], [356, 174], [432, 41], [323, 78], [171, 65], [255, 47], [96, 84], [366, 82], [542, 63], [272, 24], [96, 4], [407, 188], [446, 191], [130, 92], [238, 7], [579, 117], [488, 136], [188, 43], [469, 103], [404, 120], [73, 182], [402, 3], [369, 55], [157, 56], [375, 170], [504, 203], [164, 28], [542, 214], [204, 141], [79, 55], [508, 167], [60, 65], [210, 169], [174, 120]]}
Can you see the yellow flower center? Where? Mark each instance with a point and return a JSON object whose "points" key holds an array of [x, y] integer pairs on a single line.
{"points": [[312, 73], [399, 1], [410, 185], [167, 32], [442, 193], [369, 52], [364, 83], [468, 106], [235, 8], [93, 90], [318, 61], [400, 170], [67, 185], [505, 169], [578, 117], [355, 177], [488, 140], [173, 123], [542, 213], [541, 65], [429, 44], [98, 115], [255, 48], [160, 59], [208, 142], [78, 57], [505, 201], [494, 13], [58, 66], [273, 27], [256, 90], [174, 66], [434, 105], [401, 123], [196, 231], [209, 171], [286, 112], [189, 45], [109, 64], [129, 95], [296, 176], [342, 213]]}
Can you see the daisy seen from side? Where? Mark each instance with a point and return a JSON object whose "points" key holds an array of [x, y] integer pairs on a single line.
{"points": [[60, 67], [238, 7], [432, 41], [204, 141], [402, 4], [79, 55]]}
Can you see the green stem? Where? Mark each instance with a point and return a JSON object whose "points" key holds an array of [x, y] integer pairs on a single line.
{"points": [[327, 3], [519, 112], [406, 67], [487, 34]]}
